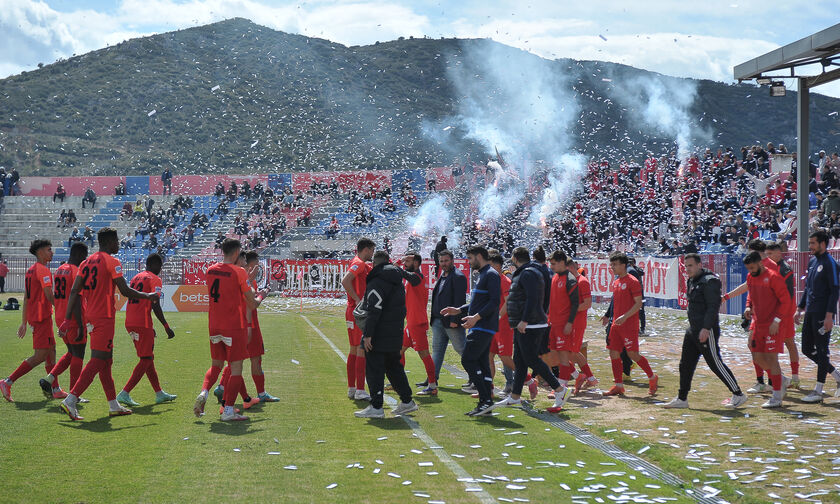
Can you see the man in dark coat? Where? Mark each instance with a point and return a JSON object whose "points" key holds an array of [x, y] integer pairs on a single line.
{"points": [[383, 335]]}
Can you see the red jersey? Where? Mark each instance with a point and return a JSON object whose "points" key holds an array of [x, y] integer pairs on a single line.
{"points": [[768, 264], [65, 275], [416, 301], [138, 313], [255, 322], [99, 272], [584, 292], [624, 290], [770, 298], [504, 326], [38, 309], [563, 288], [361, 270], [226, 284]]}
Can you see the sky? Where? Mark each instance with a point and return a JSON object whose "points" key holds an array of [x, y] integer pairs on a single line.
{"points": [[700, 39]]}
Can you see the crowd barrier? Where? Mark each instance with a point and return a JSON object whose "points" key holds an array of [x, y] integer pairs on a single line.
{"points": [[664, 280]]}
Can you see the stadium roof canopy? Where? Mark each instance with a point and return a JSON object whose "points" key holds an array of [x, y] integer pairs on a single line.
{"points": [[799, 58], [821, 48]]}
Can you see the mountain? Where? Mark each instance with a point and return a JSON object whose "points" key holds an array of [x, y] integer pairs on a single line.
{"points": [[237, 97]]}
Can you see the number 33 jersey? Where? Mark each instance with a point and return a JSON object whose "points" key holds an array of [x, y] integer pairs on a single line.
{"points": [[98, 273], [226, 284]]}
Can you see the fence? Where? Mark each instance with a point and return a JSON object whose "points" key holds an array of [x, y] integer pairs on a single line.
{"points": [[664, 276]]}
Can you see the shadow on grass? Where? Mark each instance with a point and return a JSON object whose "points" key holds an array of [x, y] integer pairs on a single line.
{"points": [[426, 399], [36, 405], [389, 423], [233, 428], [102, 424], [496, 421], [146, 409]]}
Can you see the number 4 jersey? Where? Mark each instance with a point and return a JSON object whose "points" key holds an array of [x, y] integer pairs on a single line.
{"points": [[99, 272], [226, 285], [138, 313]]}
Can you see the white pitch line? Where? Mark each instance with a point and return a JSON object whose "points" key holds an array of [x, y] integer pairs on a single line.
{"points": [[430, 443]]}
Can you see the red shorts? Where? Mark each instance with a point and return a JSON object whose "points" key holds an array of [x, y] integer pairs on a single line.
{"points": [[353, 331], [624, 338], [101, 334], [256, 346], [415, 337], [502, 343], [763, 342], [42, 334], [72, 336], [229, 344], [144, 340], [560, 342], [580, 325], [787, 328]]}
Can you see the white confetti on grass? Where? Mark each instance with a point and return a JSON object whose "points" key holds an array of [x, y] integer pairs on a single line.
{"points": [[331, 486]]}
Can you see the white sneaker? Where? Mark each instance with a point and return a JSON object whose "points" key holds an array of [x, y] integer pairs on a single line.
{"points": [[737, 400], [361, 395], [813, 397], [837, 391], [785, 385], [469, 388], [232, 417], [676, 403], [370, 412], [405, 408], [351, 393], [120, 411], [772, 403], [794, 381], [507, 401], [198, 407], [82, 400], [759, 388]]}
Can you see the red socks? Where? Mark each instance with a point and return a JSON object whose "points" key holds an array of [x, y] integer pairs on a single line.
{"points": [[20, 371], [94, 366], [566, 372], [243, 391], [585, 371], [351, 370], [232, 389], [430, 368], [794, 367], [259, 382], [76, 365], [643, 363], [759, 372], [617, 369], [107, 380], [210, 377], [360, 373], [151, 373], [61, 366], [136, 375], [225, 377], [776, 380]]}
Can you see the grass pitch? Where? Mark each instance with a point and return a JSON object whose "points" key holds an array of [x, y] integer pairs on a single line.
{"points": [[310, 448]]}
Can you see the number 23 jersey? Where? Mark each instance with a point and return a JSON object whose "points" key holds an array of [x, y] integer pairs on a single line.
{"points": [[98, 273]]}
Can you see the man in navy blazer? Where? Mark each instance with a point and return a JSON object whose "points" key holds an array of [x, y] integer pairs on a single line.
{"points": [[450, 290]]}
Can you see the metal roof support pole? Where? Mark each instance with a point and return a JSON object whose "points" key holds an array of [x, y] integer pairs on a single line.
{"points": [[802, 163]]}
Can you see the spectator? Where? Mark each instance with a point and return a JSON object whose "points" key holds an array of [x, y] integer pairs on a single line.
{"points": [[71, 218], [219, 239], [220, 190], [62, 218], [431, 181], [88, 236], [59, 193], [15, 179], [4, 270], [333, 228], [832, 202], [439, 247], [166, 178], [75, 236], [89, 197], [120, 190], [127, 211], [127, 242]]}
